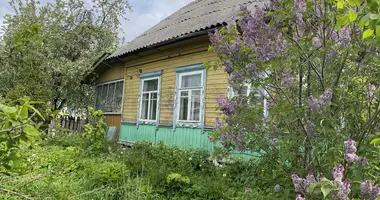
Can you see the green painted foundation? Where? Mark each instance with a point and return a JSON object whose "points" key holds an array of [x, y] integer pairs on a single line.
{"points": [[183, 137]]}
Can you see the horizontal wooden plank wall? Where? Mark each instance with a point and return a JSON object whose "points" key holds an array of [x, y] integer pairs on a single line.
{"points": [[113, 120], [166, 59], [112, 73]]}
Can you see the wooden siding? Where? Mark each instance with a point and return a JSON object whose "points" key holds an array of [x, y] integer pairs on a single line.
{"points": [[166, 59], [112, 73], [113, 120]]}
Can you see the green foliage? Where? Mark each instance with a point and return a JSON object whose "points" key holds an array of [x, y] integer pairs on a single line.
{"points": [[18, 130], [47, 49], [95, 130], [146, 171]]}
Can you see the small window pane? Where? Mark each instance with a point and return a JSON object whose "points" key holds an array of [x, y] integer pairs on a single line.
{"points": [[194, 80], [150, 85], [183, 107], [144, 109], [118, 97], [241, 91], [103, 99], [153, 109], [110, 97], [195, 108]]}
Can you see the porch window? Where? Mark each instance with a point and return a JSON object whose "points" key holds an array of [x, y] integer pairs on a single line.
{"points": [[190, 96], [109, 97], [149, 99]]}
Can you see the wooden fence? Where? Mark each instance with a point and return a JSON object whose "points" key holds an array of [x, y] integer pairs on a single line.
{"points": [[74, 124]]}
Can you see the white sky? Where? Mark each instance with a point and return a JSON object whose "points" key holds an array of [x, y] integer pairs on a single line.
{"points": [[146, 13]]}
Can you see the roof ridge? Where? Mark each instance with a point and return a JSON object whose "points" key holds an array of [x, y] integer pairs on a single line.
{"points": [[197, 16], [201, 15]]}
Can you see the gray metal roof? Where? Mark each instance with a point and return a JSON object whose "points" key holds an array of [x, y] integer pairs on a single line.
{"points": [[196, 16]]}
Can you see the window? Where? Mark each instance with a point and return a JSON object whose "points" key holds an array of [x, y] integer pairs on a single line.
{"points": [[190, 88], [257, 95], [149, 99], [109, 96]]}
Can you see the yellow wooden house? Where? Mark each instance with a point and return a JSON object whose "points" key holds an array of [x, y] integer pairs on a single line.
{"points": [[156, 88]]}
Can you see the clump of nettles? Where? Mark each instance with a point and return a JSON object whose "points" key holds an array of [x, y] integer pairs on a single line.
{"points": [[367, 190]]}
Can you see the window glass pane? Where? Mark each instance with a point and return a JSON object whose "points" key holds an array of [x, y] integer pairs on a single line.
{"points": [[241, 91], [103, 99], [153, 109], [183, 106], [184, 93], [110, 97], [194, 80], [154, 95], [195, 108], [118, 97], [150, 85], [144, 106]]}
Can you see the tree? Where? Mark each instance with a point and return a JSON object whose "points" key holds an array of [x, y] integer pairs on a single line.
{"points": [[315, 82], [73, 35]]}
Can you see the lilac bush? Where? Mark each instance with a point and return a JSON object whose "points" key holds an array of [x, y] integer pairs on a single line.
{"points": [[314, 86]]}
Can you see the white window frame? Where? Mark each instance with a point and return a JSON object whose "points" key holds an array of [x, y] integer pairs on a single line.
{"points": [[189, 89], [122, 95], [231, 95], [150, 93]]}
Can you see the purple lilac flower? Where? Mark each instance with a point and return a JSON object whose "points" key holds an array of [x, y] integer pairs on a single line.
{"points": [[218, 124], [226, 106], [332, 55], [253, 70], [228, 65], [310, 128], [314, 105], [343, 192], [350, 150], [286, 78], [299, 9], [316, 42], [375, 192], [366, 189], [338, 173], [274, 141], [362, 161], [277, 188], [350, 157], [325, 98], [300, 184], [238, 77], [310, 179], [217, 43], [299, 197], [265, 40], [343, 36]]}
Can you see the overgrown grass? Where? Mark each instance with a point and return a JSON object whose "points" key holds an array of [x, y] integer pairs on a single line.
{"points": [[63, 169]]}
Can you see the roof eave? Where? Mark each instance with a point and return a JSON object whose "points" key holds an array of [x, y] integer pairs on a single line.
{"points": [[166, 42]]}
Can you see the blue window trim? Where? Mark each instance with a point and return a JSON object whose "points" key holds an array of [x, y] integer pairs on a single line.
{"points": [[150, 74], [189, 68], [156, 74], [184, 69]]}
